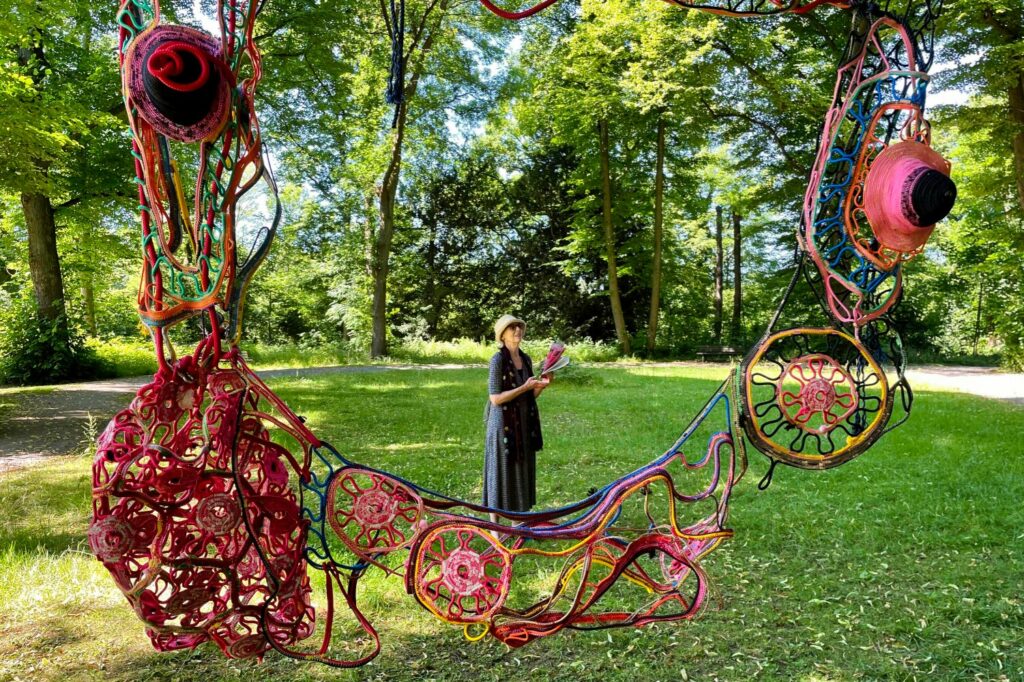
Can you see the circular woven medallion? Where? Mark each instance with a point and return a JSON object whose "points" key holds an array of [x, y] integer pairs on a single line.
{"points": [[178, 82]]}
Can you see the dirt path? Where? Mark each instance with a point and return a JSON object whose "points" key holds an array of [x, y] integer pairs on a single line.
{"points": [[984, 381], [43, 422]]}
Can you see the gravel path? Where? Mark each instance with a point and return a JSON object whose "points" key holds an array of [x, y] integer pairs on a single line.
{"points": [[58, 420], [984, 381]]}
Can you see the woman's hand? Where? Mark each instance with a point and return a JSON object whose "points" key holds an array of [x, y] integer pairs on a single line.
{"points": [[531, 384]]}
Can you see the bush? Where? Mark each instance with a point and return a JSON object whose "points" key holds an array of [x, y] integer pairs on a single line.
{"points": [[468, 351], [120, 358], [34, 350], [292, 355]]}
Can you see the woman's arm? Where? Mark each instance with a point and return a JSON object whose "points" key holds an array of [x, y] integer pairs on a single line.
{"points": [[511, 394]]}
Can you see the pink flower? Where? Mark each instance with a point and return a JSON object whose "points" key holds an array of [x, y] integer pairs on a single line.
{"points": [[554, 355]]}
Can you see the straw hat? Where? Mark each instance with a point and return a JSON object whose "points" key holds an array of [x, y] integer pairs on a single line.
{"points": [[503, 323], [907, 191]]}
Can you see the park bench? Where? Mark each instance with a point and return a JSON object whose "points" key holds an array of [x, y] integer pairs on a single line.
{"points": [[704, 352]]}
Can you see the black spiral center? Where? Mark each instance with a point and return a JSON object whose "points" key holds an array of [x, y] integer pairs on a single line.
{"points": [[932, 198]]}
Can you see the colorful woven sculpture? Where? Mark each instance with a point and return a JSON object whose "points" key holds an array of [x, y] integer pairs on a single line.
{"points": [[222, 517]]}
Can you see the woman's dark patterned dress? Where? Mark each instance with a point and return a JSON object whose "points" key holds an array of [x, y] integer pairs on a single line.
{"points": [[510, 463]]}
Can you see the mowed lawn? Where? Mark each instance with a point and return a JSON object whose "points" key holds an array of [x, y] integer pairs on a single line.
{"points": [[906, 563]]}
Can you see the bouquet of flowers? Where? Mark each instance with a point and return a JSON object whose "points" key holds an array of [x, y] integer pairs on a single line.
{"points": [[555, 360]]}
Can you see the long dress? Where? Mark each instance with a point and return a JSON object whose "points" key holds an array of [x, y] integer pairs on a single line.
{"points": [[510, 479]]}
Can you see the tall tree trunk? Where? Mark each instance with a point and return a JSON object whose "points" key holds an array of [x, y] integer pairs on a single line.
{"points": [[43, 261], [1016, 97], [434, 312], [977, 320], [389, 185], [369, 231], [89, 298], [719, 274], [609, 240], [737, 279], [659, 196]]}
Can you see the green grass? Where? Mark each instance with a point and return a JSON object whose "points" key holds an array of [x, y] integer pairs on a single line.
{"points": [[903, 564]]}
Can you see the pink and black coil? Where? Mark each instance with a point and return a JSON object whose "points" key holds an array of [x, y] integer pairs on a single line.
{"points": [[907, 191], [178, 81]]}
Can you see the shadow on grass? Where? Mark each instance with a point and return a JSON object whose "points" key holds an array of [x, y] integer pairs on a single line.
{"points": [[52, 517]]}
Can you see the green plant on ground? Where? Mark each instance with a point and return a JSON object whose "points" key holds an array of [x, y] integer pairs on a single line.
{"points": [[903, 564], [468, 351], [34, 350], [121, 358]]}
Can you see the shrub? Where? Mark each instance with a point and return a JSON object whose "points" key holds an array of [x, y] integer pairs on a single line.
{"points": [[34, 350], [121, 358]]}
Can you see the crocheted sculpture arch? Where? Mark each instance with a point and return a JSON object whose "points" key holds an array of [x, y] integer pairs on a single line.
{"points": [[223, 518]]}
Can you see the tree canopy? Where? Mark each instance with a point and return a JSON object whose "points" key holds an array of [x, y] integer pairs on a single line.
{"points": [[568, 168]]}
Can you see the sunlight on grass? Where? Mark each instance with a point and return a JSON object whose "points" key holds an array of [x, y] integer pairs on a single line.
{"points": [[904, 563]]}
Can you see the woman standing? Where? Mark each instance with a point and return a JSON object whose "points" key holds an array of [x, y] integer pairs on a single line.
{"points": [[513, 422]]}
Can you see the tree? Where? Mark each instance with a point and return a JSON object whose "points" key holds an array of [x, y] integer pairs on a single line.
{"points": [[987, 41], [334, 58], [737, 278], [628, 70], [59, 107], [719, 274], [609, 238], [659, 219]]}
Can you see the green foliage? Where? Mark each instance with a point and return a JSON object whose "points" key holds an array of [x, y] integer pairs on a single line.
{"points": [[121, 358], [499, 203], [984, 136], [270, 356], [34, 350], [462, 351]]}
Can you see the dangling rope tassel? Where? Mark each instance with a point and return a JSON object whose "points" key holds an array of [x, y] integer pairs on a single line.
{"points": [[396, 78], [767, 480]]}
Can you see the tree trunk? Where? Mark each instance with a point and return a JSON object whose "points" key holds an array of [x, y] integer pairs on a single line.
{"points": [[44, 263], [88, 296], [659, 196], [977, 320], [43, 260], [609, 240], [369, 232], [719, 274], [389, 189], [737, 278], [434, 312], [1016, 97]]}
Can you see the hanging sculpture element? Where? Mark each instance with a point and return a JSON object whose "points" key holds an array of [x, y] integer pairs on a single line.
{"points": [[222, 517]]}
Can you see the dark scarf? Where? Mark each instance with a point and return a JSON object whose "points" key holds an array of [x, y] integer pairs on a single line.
{"points": [[510, 412]]}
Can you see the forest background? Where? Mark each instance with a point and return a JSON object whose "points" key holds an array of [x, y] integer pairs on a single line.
{"points": [[621, 173]]}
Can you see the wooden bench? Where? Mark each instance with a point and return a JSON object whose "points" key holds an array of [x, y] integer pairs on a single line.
{"points": [[704, 352]]}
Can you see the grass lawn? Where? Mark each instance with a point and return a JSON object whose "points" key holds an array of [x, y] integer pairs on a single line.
{"points": [[906, 563]]}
